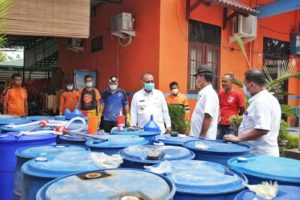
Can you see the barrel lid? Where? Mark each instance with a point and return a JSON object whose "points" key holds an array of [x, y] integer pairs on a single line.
{"points": [[203, 177], [168, 139], [35, 127], [138, 153], [62, 164], [135, 132], [109, 184], [39, 117], [60, 117], [76, 138], [218, 146], [116, 141], [268, 167], [5, 121], [48, 150], [284, 192], [11, 137]]}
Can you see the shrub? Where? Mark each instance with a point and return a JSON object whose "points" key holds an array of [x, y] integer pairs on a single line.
{"points": [[177, 114]]}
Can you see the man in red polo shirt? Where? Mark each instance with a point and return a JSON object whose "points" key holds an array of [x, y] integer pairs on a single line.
{"points": [[232, 102]]}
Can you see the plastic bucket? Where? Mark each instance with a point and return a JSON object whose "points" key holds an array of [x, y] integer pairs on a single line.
{"points": [[284, 193], [8, 145], [148, 135], [204, 180], [27, 153], [112, 144], [138, 156], [268, 168], [167, 139], [217, 150], [39, 171], [109, 184]]}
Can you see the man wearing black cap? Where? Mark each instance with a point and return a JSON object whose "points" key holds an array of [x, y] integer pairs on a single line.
{"points": [[205, 116], [113, 101]]}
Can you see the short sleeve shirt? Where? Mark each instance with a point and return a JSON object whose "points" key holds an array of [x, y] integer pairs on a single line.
{"points": [[15, 98]]}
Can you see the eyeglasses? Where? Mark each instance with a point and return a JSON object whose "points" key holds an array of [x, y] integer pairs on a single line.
{"points": [[149, 81]]}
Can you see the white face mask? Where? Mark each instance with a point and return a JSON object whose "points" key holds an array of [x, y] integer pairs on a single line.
{"points": [[69, 87], [174, 91], [113, 87], [89, 84], [246, 92]]}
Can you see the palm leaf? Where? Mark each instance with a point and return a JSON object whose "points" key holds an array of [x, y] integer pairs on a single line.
{"points": [[240, 43], [288, 110]]}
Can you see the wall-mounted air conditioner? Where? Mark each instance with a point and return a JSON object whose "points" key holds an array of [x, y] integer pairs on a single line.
{"points": [[245, 26], [295, 44], [122, 25], [75, 44]]}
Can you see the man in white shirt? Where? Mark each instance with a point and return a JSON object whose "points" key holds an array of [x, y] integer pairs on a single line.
{"points": [[205, 116], [261, 121], [149, 101]]}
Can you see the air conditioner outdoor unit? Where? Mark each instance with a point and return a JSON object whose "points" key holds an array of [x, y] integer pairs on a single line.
{"points": [[75, 44], [245, 27], [122, 25]]}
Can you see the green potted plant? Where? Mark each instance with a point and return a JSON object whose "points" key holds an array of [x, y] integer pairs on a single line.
{"points": [[177, 115]]}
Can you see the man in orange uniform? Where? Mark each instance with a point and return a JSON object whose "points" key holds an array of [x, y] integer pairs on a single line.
{"points": [[89, 99], [69, 98], [177, 98], [15, 99]]}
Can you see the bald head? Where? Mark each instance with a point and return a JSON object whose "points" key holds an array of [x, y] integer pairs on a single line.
{"points": [[146, 77], [256, 76]]}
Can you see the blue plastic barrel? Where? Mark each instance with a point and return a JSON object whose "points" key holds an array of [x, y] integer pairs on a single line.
{"points": [[27, 153], [196, 179], [217, 150], [138, 156], [8, 145], [41, 170], [7, 121], [72, 139], [39, 117], [109, 184], [148, 135], [284, 193], [265, 168], [167, 139], [112, 144], [60, 117]]}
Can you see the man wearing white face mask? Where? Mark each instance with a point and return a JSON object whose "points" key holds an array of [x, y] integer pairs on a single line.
{"points": [[113, 101], [261, 121], [69, 98], [149, 101], [177, 98]]}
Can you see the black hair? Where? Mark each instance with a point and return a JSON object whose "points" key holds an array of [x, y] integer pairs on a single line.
{"points": [[15, 75], [87, 76], [174, 83], [208, 76], [69, 81], [256, 76]]}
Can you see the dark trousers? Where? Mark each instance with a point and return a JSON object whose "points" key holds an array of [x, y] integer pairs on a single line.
{"points": [[108, 125], [223, 130]]}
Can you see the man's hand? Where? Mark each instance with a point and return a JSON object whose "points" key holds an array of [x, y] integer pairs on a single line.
{"points": [[231, 138], [168, 130], [128, 120]]}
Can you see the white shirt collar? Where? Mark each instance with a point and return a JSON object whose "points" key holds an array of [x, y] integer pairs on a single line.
{"points": [[257, 95]]}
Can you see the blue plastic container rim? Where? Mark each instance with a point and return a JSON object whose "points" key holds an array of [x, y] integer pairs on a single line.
{"points": [[103, 144], [136, 159], [141, 133], [259, 174], [171, 139], [6, 138], [287, 189], [39, 117], [73, 138], [20, 154], [41, 196], [18, 120], [207, 151]]}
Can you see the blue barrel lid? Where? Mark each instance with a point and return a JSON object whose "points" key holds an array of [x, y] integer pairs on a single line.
{"points": [[284, 192], [268, 167], [116, 141], [48, 150], [11, 137], [204, 177], [218, 146], [135, 132], [76, 138], [60, 117], [5, 121], [109, 184], [7, 128], [168, 139], [138, 153], [62, 164], [39, 117]]}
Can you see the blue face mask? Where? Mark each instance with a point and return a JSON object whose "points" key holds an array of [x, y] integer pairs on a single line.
{"points": [[149, 86]]}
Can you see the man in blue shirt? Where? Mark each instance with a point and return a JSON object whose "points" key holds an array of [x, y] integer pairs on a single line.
{"points": [[113, 101]]}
